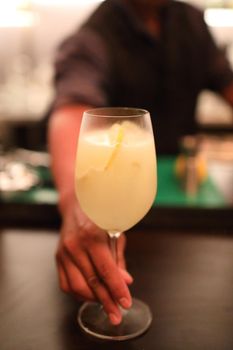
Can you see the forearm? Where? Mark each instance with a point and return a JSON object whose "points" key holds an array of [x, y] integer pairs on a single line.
{"points": [[83, 245], [63, 134]]}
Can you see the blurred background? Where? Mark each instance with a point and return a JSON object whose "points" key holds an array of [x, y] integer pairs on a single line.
{"points": [[30, 31], [29, 34]]}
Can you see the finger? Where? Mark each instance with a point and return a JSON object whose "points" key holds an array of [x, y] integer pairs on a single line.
{"points": [[126, 276], [63, 282], [99, 289], [76, 280], [109, 273]]}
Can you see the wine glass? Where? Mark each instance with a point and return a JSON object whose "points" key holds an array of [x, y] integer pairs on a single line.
{"points": [[115, 183]]}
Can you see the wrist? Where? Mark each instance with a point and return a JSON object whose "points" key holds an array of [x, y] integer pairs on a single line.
{"points": [[66, 200]]}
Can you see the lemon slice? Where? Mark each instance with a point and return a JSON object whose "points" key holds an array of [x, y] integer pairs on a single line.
{"points": [[116, 136]]}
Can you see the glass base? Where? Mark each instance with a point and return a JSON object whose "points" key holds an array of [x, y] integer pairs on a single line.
{"points": [[94, 321]]}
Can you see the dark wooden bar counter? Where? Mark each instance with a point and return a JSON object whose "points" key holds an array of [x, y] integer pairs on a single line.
{"points": [[186, 278]]}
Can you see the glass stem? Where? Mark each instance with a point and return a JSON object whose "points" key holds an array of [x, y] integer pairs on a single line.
{"points": [[113, 240], [113, 235]]}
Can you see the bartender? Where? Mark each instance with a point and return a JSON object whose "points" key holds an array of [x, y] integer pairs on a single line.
{"points": [[153, 54]]}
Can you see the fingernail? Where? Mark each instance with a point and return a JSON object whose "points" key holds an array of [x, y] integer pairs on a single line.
{"points": [[115, 319], [125, 303]]}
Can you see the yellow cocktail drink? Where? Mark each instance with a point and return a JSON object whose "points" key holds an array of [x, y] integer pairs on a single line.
{"points": [[116, 175]]}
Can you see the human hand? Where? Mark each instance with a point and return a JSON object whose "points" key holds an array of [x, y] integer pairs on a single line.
{"points": [[86, 266]]}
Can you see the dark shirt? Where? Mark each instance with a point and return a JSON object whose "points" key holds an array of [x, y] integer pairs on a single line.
{"points": [[113, 61]]}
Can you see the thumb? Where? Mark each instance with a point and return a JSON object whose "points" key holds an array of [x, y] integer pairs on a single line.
{"points": [[121, 244], [121, 259], [126, 276]]}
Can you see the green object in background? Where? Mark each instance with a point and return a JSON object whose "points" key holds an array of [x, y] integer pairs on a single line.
{"points": [[170, 192]]}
